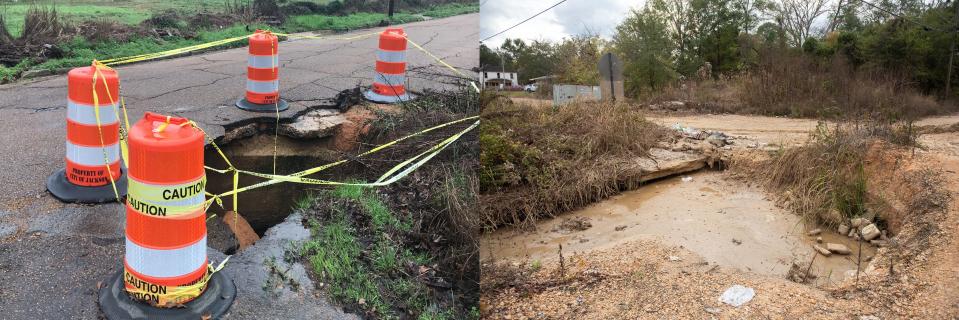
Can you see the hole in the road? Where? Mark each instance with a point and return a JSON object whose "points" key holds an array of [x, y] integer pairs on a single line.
{"points": [[267, 206]]}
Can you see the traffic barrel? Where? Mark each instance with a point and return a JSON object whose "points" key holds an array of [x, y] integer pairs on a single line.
{"points": [[165, 263], [263, 75], [92, 151], [389, 78]]}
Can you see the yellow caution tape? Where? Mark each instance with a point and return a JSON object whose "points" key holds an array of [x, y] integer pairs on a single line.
{"points": [[168, 296], [302, 36], [472, 83], [96, 113], [173, 52]]}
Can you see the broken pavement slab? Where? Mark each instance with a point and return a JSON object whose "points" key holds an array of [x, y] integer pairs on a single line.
{"points": [[319, 123]]}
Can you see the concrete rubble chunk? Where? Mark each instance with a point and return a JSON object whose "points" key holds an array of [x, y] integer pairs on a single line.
{"points": [[859, 222], [870, 232], [838, 248], [315, 124], [815, 232], [843, 229], [822, 250]]}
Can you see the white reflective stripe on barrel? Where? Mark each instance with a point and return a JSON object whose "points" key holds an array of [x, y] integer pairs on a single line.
{"points": [[263, 62], [93, 156], [166, 263], [391, 56], [84, 113], [389, 79], [263, 86]]}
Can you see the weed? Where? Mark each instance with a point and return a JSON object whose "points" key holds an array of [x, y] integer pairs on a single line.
{"points": [[539, 162], [536, 265]]}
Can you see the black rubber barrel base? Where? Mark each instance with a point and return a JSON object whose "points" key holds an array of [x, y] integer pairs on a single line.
{"points": [[256, 107], [212, 304], [62, 189]]}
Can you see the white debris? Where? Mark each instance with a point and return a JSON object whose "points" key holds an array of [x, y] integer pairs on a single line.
{"points": [[737, 295], [687, 179]]}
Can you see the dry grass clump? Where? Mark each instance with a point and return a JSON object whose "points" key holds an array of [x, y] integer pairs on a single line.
{"points": [[846, 171], [41, 27], [540, 161]]}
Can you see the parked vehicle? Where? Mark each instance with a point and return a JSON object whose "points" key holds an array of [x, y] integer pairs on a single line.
{"points": [[530, 87]]}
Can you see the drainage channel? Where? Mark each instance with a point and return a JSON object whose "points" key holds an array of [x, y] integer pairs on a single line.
{"points": [[268, 206], [726, 222]]}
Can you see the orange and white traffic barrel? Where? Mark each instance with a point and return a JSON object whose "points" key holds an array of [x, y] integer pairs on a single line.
{"points": [[389, 78], [165, 264], [263, 75], [92, 147]]}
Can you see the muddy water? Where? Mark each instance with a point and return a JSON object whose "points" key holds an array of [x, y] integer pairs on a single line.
{"points": [[725, 222]]}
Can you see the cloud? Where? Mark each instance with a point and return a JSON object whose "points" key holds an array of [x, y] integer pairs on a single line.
{"points": [[570, 18]]}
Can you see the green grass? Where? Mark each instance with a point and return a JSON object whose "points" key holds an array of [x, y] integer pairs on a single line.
{"points": [[82, 52], [375, 274], [334, 252], [354, 21], [451, 9]]}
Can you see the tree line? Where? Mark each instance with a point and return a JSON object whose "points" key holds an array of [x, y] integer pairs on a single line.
{"points": [[667, 41]]}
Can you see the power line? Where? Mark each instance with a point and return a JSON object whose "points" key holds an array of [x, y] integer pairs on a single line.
{"points": [[524, 21]]}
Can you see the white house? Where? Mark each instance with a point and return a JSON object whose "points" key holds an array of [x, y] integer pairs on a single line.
{"points": [[499, 79]]}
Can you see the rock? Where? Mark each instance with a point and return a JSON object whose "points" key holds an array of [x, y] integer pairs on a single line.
{"points": [[859, 222], [315, 124], [838, 248], [620, 227], [34, 73], [716, 139], [869, 317], [818, 239], [220, 237], [883, 235], [712, 310], [822, 250], [815, 232], [852, 233], [843, 229], [737, 295], [242, 230], [879, 243], [870, 232], [675, 258]]}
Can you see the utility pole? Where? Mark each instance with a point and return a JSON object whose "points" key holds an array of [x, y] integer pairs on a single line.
{"points": [[952, 50], [392, 4]]}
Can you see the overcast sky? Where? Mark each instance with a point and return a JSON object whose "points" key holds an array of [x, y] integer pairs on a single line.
{"points": [[570, 18]]}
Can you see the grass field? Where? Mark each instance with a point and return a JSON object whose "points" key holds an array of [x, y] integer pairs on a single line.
{"points": [[126, 12], [80, 51]]}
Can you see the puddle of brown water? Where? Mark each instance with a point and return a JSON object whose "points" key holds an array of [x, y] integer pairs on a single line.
{"points": [[725, 222]]}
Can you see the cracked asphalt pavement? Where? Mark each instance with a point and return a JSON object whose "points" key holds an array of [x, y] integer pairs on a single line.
{"points": [[52, 255]]}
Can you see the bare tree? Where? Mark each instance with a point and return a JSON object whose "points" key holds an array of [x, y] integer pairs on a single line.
{"points": [[797, 17]]}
